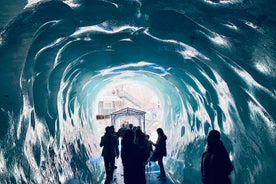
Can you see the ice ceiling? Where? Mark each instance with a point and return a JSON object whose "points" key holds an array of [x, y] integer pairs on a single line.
{"points": [[210, 63]]}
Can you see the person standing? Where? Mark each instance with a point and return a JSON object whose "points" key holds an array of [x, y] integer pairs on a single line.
{"points": [[110, 150], [133, 160], [141, 141], [215, 162], [160, 151]]}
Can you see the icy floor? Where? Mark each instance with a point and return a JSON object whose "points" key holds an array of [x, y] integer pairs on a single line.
{"points": [[151, 174]]}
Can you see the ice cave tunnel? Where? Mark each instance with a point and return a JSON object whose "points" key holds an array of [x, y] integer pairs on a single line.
{"points": [[192, 66]]}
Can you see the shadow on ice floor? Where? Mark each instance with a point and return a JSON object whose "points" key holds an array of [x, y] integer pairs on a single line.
{"points": [[152, 171]]}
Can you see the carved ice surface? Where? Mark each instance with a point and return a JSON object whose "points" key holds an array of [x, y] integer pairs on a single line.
{"points": [[209, 65]]}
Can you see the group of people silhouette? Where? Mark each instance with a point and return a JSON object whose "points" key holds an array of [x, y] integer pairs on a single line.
{"points": [[137, 151]]}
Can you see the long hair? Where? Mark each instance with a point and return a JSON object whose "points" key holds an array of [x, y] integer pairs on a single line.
{"points": [[160, 132], [213, 140], [128, 138]]}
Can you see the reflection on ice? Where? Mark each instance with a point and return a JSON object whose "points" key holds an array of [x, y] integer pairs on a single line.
{"points": [[65, 62]]}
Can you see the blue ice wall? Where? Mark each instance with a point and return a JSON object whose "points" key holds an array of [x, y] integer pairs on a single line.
{"points": [[212, 64]]}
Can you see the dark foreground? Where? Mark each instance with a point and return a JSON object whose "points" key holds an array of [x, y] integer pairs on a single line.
{"points": [[152, 171]]}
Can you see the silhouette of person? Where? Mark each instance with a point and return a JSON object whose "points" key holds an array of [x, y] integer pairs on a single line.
{"points": [[215, 162], [130, 126], [112, 128], [132, 159], [142, 142], [110, 150], [149, 145], [160, 151]]}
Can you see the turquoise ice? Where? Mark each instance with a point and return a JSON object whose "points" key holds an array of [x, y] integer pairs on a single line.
{"points": [[211, 63]]}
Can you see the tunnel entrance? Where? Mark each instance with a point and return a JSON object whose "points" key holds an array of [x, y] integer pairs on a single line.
{"points": [[128, 112], [128, 101]]}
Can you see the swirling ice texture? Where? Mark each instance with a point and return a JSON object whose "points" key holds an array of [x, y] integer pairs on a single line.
{"points": [[211, 63]]}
